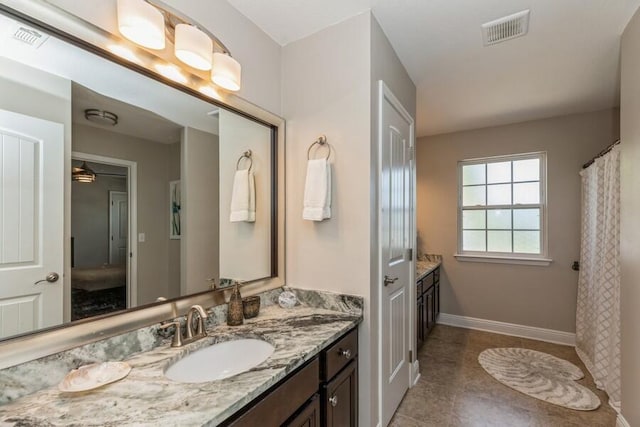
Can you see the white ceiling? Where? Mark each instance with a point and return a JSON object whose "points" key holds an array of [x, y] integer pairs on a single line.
{"points": [[568, 63], [132, 120]]}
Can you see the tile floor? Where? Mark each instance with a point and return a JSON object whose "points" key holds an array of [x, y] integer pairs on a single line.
{"points": [[454, 390]]}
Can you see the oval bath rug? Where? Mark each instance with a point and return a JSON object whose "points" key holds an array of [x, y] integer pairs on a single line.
{"points": [[539, 375]]}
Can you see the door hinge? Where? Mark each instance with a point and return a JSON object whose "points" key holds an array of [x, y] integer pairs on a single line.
{"points": [[410, 356], [410, 254], [412, 153]]}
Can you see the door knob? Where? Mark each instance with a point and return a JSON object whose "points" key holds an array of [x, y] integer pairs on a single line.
{"points": [[51, 278], [388, 280], [333, 400]]}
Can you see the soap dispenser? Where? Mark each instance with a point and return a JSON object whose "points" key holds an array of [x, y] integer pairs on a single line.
{"points": [[234, 308]]}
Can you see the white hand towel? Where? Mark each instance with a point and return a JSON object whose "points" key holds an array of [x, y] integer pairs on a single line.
{"points": [[243, 197], [317, 191]]}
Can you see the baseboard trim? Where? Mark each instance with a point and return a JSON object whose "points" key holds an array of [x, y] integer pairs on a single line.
{"points": [[416, 372], [621, 422], [531, 332]]}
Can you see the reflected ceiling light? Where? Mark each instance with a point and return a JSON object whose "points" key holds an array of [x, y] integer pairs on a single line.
{"points": [[226, 72], [210, 91], [171, 72], [124, 52], [193, 47], [141, 23], [101, 117], [83, 174]]}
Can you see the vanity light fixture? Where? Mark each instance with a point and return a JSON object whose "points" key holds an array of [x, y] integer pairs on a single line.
{"points": [[141, 23], [101, 117], [226, 72], [148, 23], [193, 47], [83, 174]]}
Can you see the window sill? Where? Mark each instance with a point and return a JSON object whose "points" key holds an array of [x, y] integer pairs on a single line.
{"points": [[503, 259]]}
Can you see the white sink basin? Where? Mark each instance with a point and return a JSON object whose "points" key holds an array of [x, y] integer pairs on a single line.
{"points": [[220, 361]]}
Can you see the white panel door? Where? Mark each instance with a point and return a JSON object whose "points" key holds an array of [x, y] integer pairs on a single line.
{"points": [[31, 223], [396, 204], [118, 227]]}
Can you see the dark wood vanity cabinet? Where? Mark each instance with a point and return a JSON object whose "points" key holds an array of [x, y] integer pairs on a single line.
{"points": [[308, 416], [323, 392], [428, 304], [340, 382]]}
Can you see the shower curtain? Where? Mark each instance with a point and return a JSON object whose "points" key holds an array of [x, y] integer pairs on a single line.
{"points": [[598, 310]]}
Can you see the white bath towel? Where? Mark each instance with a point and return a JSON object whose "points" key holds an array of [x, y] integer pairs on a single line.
{"points": [[243, 197], [317, 191]]}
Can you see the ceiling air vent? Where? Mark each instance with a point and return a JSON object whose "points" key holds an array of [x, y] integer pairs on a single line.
{"points": [[29, 36], [506, 28]]}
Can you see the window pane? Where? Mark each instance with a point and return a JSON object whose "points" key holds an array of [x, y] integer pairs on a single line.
{"points": [[499, 194], [473, 196], [499, 241], [498, 172], [473, 241], [473, 174], [525, 194], [526, 170], [527, 242], [528, 219], [499, 218], [473, 219]]}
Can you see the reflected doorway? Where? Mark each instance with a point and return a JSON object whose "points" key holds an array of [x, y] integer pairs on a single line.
{"points": [[100, 236]]}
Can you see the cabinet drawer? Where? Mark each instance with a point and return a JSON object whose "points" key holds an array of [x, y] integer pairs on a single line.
{"points": [[339, 354], [427, 281], [436, 275], [277, 405], [419, 288]]}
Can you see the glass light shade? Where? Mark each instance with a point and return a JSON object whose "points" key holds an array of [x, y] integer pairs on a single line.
{"points": [[193, 47], [141, 23], [226, 72]]}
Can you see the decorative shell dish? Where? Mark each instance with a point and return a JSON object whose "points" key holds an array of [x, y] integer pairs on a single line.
{"points": [[93, 376]]}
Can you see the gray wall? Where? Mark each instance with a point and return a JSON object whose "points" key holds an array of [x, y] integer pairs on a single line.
{"points": [[154, 160], [629, 230], [200, 240], [329, 82], [241, 240], [537, 296], [90, 219]]}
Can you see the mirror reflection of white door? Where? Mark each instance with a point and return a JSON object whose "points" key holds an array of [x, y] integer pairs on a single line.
{"points": [[396, 207], [118, 227], [31, 223]]}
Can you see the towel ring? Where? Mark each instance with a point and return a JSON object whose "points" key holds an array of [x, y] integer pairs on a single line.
{"points": [[322, 142], [245, 155]]}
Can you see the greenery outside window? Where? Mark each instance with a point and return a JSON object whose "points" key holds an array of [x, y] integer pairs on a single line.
{"points": [[502, 208]]}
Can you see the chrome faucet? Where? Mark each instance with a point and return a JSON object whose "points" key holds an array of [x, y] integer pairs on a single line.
{"points": [[190, 335]]}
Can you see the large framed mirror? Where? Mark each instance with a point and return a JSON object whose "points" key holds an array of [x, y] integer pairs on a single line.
{"points": [[125, 197]]}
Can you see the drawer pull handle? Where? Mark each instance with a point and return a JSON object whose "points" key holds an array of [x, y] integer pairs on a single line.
{"points": [[346, 353], [333, 400]]}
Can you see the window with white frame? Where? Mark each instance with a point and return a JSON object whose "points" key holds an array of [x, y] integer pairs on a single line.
{"points": [[501, 208]]}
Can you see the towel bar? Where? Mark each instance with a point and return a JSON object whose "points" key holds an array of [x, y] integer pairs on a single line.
{"points": [[321, 141], [246, 155]]}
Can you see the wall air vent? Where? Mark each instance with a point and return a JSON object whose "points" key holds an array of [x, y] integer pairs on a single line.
{"points": [[29, 36], [506, 28]]}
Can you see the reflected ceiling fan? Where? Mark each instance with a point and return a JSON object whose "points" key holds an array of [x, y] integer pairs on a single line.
{"points": [[85, 174]]}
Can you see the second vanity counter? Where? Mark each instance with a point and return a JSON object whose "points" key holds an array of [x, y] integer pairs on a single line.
{"points": [[146, 397]]}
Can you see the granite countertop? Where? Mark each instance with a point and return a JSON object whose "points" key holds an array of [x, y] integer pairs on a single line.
{"points": [[146, 398], [425, 264]]}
